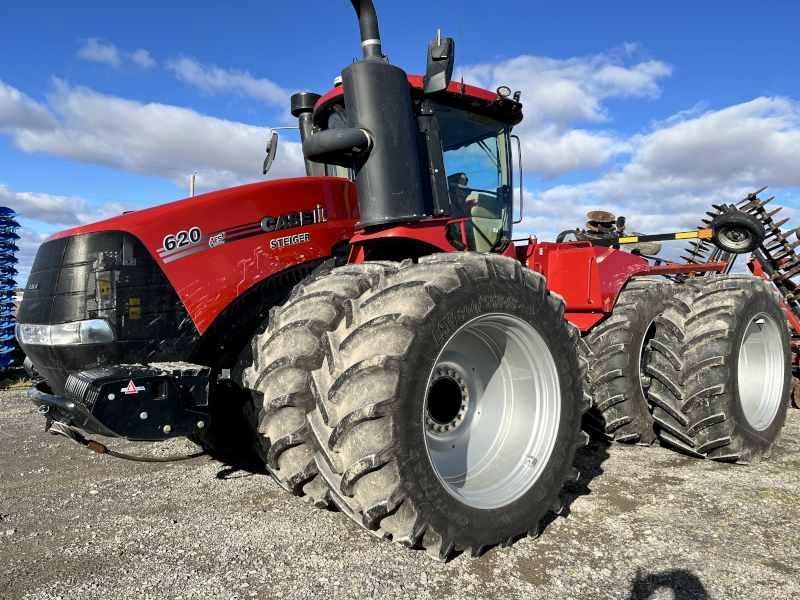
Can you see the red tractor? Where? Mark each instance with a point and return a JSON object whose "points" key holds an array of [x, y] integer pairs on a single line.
{"points": [[392, 348]]}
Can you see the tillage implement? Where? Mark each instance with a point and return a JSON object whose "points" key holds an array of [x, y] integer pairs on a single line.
{"points": [[386, 342]]}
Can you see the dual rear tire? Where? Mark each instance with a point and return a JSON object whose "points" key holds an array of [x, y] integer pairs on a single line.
{"points": [[619, 348], [705, 366], [721, 369]]}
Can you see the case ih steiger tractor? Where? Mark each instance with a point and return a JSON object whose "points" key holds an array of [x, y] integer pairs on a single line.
{"points": [[394, 352]]}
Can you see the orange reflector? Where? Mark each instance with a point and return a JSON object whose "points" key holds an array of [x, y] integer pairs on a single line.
{"points": [[705, 234]]}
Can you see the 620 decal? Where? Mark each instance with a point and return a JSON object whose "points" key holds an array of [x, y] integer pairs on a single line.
{"points": [[182, 239]]}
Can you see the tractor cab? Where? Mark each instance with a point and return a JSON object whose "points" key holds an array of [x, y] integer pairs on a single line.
{"points": [[463, 141]]}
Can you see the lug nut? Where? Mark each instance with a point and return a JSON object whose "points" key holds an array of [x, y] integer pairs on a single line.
{"points": [[167, 428], [144, 415], [112, 397], [201, 424]]}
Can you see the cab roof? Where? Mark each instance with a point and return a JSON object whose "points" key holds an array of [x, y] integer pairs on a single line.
{"points": [[457, 95]]}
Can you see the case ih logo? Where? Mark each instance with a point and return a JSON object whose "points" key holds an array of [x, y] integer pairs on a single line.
{"points": [[189, 241], [294, 219]]}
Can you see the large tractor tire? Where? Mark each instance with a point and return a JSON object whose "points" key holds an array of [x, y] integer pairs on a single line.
{"points": [[619, 350], [721, 369], [279, 378], [449, 404]]}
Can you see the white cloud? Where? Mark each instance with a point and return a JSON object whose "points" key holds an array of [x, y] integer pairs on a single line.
{"points": [[143, 59], [145, 139], [682, 167], [96, 50], [548, 153], [239, 83], [566, 92], [558, 95], [57, 210], [22, 111]]}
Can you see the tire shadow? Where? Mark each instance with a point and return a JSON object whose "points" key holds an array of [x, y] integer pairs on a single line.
{"points": [[684, 584], [589, 463], [237, 463]]}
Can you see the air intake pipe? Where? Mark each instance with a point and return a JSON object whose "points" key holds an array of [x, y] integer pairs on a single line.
{"points": [[380, 117], [302, 107]]}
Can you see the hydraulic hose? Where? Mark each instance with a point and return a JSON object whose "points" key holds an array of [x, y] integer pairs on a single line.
{"points": [[368, 26]]}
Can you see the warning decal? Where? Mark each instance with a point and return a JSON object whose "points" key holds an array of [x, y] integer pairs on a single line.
{"points": [[132, 389]]}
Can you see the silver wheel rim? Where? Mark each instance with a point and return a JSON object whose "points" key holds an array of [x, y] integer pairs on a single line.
{"points": [[491, 447], [761, 364]]}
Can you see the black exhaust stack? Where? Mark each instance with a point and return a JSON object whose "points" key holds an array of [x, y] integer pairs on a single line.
{"points": [[380, 142]]}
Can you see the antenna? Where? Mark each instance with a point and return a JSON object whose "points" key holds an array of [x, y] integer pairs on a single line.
{"points": [[461, 46]]}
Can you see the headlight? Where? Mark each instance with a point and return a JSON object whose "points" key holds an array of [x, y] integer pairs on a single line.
{"points": [[93, 331]]}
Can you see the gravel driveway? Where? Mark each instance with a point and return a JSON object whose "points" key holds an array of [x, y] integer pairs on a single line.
{"points": [[640, 523]]}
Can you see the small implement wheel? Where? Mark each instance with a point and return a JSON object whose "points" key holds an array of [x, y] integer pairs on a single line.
{"points": [[721, 369], [283, 358], [449, 404], [737, 232], [617, 380]]}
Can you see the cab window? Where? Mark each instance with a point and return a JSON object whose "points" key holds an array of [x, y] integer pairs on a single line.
{"points": [[478, 165]]}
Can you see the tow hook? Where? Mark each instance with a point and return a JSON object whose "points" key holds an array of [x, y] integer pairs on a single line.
{"points": [[44, 410]]}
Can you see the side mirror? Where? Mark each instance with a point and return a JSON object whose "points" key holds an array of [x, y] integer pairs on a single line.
{"points": [[272, 148], [441, 58]]}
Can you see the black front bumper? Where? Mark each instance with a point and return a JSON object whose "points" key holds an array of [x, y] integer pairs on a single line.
{"points": [[135, 402]]}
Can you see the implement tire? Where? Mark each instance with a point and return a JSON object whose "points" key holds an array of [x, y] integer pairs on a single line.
{"points": [[721, 369], [459, 348], [279, 378], [618, 383]]}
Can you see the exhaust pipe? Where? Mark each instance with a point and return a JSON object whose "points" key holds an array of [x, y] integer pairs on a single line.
{"points": [[368, 25]]}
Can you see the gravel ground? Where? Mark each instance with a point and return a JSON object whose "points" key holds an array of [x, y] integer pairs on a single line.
{"points": [[640, 523]]}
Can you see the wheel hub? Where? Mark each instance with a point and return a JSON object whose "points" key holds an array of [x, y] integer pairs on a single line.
{"points": [[448, 400]]}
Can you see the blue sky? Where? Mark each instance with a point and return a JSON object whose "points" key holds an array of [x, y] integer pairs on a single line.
{"points": [[653, 110]]}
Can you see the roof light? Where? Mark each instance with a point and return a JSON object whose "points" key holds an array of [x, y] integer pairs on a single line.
{"points": [[504, 91], [92, 331]]}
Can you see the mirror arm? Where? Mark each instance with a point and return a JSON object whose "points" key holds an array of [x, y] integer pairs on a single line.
{"points": [[519, 156], [272, 147]]}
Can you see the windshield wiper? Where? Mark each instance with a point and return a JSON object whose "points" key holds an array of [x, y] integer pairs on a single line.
{"points": [[485, 148]]}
